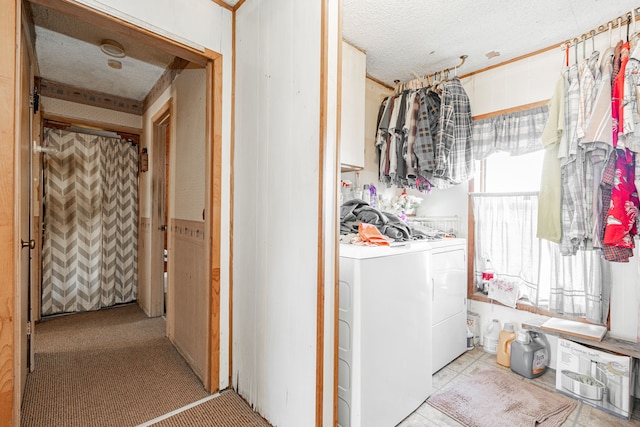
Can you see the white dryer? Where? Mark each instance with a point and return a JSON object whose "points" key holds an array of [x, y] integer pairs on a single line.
{"points": [[449, 314]]}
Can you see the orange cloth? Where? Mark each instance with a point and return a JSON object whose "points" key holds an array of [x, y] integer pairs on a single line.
{"points": [[369, 233]]}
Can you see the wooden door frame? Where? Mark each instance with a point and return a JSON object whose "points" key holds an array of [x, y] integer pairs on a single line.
{"points": [[10, 17], [10, 28], [157, 121]]}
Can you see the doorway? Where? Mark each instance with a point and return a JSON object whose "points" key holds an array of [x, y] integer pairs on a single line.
{"points": [[211, 61], [161, 140], [90, 220]]}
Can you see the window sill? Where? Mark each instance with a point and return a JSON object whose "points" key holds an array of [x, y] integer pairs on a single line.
{"points": [[615, 345], [479, 296]]}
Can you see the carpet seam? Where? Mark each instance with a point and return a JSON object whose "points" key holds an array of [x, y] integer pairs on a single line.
{"points": [[178, 411]]}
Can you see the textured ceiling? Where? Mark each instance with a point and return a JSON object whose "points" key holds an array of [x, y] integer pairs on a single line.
{"points": [[408, 37], [68, 51], [402, 39]]}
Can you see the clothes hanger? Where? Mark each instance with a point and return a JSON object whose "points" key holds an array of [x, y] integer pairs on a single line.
{"points": [[565, 59], [619, 21], [610, 31]]}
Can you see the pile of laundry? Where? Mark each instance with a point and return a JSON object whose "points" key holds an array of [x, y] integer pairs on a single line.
{"points": [[355, 212]]}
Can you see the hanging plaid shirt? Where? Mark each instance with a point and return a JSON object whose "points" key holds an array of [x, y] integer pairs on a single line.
{"points": [[454, 156], [411, 130], [427, 128], [572, 173]]}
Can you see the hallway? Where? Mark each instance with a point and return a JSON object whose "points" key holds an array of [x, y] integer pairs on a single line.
{"points": [[115, 367]]}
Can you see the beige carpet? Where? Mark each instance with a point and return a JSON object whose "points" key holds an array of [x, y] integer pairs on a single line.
{"points": [[114, 367], [217, 413], [493, 399]]}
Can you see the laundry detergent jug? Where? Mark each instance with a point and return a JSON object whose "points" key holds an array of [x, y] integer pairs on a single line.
{"points": [[529, 354], [507, 335]]}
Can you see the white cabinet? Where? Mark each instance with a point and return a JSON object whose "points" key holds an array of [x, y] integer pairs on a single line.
{"points": [[354, 74], [449, 315]]}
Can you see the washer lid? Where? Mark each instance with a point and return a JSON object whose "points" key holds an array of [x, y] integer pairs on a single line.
{"points": [[364, 252]]}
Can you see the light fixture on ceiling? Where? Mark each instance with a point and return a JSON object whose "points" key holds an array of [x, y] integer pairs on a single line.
{"points": [[114, 64], [112, 48]]}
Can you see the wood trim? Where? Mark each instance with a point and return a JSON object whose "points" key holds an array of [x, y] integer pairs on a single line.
{"points": [[214, 132], [9, 24], [320, 300], [519, 58], [380, 82], [129, 30], [471, 241], [516, 109], [164, 82], [238, 5], [162, 113], [89, 124], [30, 32], [232, 159], [336, 231], [223, 4], [157, 304]]}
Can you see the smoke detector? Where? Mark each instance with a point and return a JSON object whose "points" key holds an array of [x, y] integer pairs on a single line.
{"points": [[112, 48]]}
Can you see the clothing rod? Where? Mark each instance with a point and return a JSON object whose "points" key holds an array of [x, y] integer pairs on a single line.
{"points": [[419, 81], [614, 23]]}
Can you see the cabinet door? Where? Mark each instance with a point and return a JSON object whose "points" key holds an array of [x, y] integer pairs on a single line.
{"points": [[449, 284], [354, 74]]}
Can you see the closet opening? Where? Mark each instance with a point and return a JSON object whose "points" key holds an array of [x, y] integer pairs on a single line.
{"points": [[89, 219]]}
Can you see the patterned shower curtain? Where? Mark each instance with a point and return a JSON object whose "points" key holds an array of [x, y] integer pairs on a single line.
{"points": [[90, 244]]}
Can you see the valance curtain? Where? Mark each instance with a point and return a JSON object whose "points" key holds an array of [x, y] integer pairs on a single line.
{"points": [[516, 133], [90, 222], [505, 232]]}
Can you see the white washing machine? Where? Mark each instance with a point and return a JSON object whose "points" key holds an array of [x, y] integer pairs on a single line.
{"points": [[384, 355]]}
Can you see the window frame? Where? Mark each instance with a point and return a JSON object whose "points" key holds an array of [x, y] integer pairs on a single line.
{"points": [[472, 293]]}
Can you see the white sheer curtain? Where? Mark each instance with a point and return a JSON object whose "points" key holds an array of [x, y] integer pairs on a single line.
{"points": [[505, 232]]}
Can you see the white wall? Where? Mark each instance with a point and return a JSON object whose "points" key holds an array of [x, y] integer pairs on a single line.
{"points": [[89, 112], [197, 23], [276, 209]]}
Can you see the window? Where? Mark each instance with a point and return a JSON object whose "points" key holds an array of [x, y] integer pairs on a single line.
{"points": [[505, 213], [504, 173]]}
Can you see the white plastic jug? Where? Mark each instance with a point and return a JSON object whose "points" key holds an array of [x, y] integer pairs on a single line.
{"points": [[491, 335]]}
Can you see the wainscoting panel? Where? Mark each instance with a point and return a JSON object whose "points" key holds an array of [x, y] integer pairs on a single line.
{"points": [[189, 294]]}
